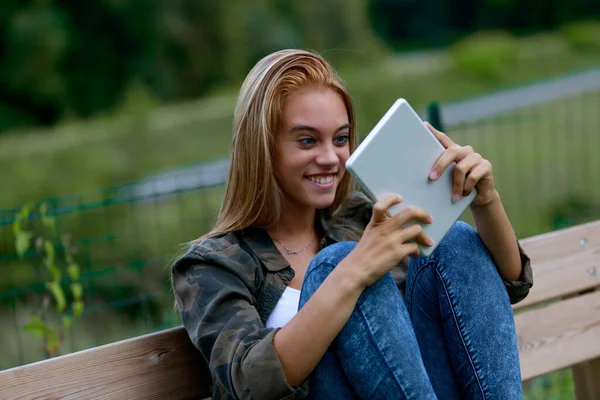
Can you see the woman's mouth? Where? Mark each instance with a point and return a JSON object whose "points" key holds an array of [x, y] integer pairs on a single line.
{"points": [[322, 181]]}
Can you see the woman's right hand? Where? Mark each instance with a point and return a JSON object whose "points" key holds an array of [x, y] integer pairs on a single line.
{"points": [[385, 242]]}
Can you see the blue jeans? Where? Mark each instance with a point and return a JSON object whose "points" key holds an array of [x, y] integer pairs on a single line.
{"points": [[452, 337]]}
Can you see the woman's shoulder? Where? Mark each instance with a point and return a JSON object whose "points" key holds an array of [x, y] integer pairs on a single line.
{"points": [[222, 251], [215, 244]]}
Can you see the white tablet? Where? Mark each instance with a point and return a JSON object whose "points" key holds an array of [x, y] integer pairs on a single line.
{"points": [[397, 157]]}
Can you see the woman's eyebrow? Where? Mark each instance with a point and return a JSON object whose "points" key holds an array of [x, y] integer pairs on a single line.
{"points": [[309, 128], [345, 126]]}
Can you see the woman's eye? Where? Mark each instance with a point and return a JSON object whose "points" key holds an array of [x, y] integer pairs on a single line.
{"points": [[307, 141], [342, 139]]}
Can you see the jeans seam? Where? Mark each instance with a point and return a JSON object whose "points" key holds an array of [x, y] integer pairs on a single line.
{"points": [[460, 333], [380, 354], [414, 280]]}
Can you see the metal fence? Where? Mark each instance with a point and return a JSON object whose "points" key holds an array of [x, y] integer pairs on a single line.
{"points": [[124, 238]]}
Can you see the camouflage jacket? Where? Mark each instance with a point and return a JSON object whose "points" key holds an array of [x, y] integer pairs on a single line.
{"points": [[226, 287]]}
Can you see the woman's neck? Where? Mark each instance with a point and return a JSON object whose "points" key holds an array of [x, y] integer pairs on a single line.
{"points": [[294, 225]]}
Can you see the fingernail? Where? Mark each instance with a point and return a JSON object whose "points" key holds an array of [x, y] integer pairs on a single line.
{"points": [[431, 217], [455, 198], [399, 197], [433, 175], [431, 242]]}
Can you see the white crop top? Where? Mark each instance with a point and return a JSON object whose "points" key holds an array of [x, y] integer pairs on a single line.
{"points": [[285, 309]]}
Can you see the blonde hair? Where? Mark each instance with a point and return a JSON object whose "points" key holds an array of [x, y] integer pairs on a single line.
{"points": [[253, 196]]}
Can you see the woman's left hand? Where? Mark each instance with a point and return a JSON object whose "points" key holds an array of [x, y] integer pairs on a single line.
{"points": [[471, 170]]}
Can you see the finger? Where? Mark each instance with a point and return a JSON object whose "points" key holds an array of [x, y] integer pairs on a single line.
{"points": [[410, 249], [380, 209], [461, 169], [415, 232], [440, 136], [411, 213], [453, 153], [482, 169]]}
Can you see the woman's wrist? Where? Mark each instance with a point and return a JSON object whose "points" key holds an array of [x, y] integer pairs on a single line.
{"points": [[487, 203], [348, 277]]}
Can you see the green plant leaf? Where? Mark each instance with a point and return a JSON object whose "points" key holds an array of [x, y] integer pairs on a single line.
{"points": [[25, 210], [53, 341], [56, 275], [73, 271], [36, 327], [67, 321], [21, 216], [78, 308], [58, 294], [17, 226], [49, 247], [46, 220], [77, 290], [22, 242]]}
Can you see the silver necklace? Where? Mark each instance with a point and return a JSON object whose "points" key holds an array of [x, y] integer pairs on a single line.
{"points": [[290, 251]]}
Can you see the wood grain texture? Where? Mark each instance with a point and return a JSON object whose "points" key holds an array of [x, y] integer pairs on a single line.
{"points": [[162, 365], [564, 262], [586, 377], [560, 335]]}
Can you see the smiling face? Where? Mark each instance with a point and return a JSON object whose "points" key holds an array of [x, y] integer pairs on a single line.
{"points": [[312, 146]]}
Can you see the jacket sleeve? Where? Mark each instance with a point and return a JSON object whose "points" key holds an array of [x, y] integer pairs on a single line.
{"points": [[519, 289], [213, 295]]}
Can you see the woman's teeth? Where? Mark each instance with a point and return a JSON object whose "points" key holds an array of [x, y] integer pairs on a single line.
{"points": [[321, 180]]}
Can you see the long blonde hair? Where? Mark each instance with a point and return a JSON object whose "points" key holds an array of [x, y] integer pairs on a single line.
{"points": [[253, 196]]}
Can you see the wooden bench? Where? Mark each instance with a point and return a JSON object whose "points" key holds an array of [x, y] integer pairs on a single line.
{"points": [[558, 326]]}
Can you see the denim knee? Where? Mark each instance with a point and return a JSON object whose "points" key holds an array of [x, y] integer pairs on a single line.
{"points": [[462, 256], [331, 255], [321, 266], [459, 237]]}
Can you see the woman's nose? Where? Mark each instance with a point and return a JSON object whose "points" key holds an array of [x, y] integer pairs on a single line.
{"points": [[327, 156]]}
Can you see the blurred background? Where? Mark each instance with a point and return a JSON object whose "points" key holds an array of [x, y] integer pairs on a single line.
{"points": [[115, 124]]}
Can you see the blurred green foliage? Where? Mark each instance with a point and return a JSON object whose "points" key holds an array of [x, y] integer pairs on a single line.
{"points": [[583, 35], [143, 138], [418, 23], [486, 54], [65, 59], [50, 255]]}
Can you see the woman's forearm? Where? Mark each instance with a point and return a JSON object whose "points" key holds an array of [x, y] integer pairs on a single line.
{"points": [[498, 235], [302, 342]]}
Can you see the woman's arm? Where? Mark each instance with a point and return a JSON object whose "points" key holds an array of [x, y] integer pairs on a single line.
{"points": [[472, 171], [303, 341], [211, 289], [498, 235]]}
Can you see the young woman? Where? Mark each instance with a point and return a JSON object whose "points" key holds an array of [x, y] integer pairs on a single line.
{"points": [[305, 288]]}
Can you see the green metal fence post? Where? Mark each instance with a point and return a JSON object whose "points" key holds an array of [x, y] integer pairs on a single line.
{"points": [[434, 116]]}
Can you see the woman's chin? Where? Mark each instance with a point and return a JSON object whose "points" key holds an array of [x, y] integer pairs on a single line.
{"points": [[323, 201]]}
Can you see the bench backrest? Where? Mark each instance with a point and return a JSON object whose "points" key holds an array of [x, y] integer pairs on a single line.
{"points": [[166, 365]]}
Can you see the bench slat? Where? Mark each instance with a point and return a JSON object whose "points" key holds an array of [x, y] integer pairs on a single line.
{"points": [[561, 265], [162, 365], [560, 335], [166, 365]]}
